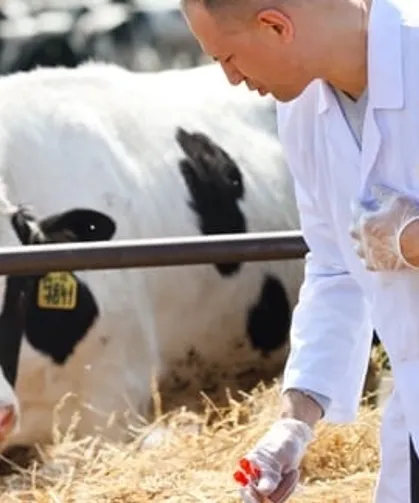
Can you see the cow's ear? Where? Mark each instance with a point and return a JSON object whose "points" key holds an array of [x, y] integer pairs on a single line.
{"points": [[60, 309], [79, 224]]}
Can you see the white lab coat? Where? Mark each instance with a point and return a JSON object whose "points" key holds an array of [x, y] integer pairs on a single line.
{"points": [[331, 333]]}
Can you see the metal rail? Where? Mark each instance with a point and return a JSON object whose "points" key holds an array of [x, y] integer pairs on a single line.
{"points": [[121, 254]]}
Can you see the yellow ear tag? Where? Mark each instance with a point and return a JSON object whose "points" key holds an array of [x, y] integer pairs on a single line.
{"points": [[57, 290]]}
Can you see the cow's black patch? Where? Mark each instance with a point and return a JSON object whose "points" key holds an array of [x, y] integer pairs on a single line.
{"points": [[54, 310], [56, 331], [11, 327], [269, 320], [215, 185]]}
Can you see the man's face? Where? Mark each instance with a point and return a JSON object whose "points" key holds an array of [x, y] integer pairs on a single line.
{"points": [[260, 50]]}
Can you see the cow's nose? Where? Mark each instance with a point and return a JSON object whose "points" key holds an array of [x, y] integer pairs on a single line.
{"points": [[8, 420]]}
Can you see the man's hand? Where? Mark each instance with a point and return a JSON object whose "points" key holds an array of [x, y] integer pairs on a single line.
{"points": [[386, 234], [271, 468]]}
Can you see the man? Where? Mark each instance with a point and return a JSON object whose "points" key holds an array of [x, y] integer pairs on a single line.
{"points": [[345, 74]]}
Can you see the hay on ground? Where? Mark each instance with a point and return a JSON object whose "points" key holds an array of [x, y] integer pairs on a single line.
{"points": [[340, 465]]}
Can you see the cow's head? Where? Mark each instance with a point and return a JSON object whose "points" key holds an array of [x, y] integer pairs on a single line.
{"points": [[53, 311]]}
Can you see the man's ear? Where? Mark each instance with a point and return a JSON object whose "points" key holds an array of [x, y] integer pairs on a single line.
{"points": [[278, 22]]}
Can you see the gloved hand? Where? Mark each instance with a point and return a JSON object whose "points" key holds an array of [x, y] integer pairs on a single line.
{"points": [[378, 227], [272, 466]]}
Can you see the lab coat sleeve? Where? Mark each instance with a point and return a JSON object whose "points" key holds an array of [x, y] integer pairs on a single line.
{"points": [[330, 332]]}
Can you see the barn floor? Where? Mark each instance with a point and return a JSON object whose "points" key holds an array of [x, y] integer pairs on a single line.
{"points": [[340, 466]]}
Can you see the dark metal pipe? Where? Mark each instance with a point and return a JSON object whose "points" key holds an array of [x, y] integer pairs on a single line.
{"points": [[121, 254]]}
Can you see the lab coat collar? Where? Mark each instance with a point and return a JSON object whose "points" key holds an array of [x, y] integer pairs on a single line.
{"points": [[385, 77]]}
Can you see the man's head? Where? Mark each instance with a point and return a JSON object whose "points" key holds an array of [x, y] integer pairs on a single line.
{"points": [[275, 46]]}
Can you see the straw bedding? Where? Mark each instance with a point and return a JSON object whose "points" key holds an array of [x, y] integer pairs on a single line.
{"points": [[196, 461]]}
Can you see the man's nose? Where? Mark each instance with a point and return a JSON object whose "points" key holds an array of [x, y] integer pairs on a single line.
{"points": [[233, 75]]}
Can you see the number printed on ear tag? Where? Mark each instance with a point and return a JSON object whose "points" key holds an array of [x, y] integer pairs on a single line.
{"points": [[57, 290]]}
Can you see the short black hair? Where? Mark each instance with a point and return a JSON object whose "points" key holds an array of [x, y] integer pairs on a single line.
{"points": [[216, 4], [213, 4]]}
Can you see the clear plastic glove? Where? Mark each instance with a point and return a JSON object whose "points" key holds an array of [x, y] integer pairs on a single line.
{"points": [[271, 468], [377, 229]]}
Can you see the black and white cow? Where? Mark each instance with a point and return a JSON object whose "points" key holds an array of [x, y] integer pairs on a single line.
{"points": [[169, 35], [106, 33], [100, 152], [43, 40], [139, 35]]}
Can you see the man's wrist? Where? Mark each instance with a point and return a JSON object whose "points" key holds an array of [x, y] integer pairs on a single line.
{"points": [[298, 405], [408, 240]]}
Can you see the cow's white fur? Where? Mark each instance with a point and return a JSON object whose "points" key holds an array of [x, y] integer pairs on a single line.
{"points": [[102, 137]]}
